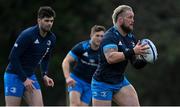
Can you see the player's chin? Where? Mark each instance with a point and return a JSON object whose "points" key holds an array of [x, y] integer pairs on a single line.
{"points": [[131, 28], [98, 43], [48, 29]]}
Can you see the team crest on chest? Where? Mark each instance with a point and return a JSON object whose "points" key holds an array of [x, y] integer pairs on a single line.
{"points": [[91, 60], [48, 42]]}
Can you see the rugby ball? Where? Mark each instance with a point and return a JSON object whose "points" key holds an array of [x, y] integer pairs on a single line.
{"points": [[152, 54]]}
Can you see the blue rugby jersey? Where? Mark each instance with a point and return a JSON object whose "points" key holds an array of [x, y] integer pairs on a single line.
{"points": [[87, 60], [29, 51], [114, 73]]}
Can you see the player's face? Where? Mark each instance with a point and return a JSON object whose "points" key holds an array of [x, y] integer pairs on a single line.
{"points": [[128, 22], [45, 24], [96, 37]]}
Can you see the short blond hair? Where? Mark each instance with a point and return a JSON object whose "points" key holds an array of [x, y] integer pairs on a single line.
{"points": [[119, 10]]}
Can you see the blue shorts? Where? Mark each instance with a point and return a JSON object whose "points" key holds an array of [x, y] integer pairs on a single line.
{"points": [[13, 86], [104, 91], [83, 88]]}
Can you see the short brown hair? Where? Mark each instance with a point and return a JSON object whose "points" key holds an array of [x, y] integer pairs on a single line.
{"points": [[97, 28], [46, 11]]}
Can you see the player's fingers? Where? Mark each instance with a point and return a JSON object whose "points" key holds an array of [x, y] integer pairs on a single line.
{"points": [[33, 81], [52, 83], [145, 52], [33, 86], [139, 42], [71, 83], [29, 88]]}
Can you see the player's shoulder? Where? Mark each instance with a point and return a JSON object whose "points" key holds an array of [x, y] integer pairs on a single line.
{"points": [[29, 31], [52, 36], [131, 35], [83, 44], [26, 34], [110, 33]]}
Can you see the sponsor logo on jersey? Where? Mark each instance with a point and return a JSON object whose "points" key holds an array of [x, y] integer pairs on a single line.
{"points": [[120, 43], [91, 60], [36, 41], [13, 89], [16, 45], [85, 54], [126, 49], [104, 93]]}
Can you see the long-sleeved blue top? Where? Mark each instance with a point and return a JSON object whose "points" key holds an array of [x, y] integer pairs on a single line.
{"points": [[29, 51]]}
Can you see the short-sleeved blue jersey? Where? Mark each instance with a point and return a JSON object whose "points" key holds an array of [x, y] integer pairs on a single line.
{"points": [[113, 73], [87, 60], [30, 50]]}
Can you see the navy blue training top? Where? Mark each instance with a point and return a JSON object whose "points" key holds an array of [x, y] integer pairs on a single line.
{"points": [[30, 50], [113, 73], [87, 60]]}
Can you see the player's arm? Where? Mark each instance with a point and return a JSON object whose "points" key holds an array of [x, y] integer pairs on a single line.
{"points": [[45, 65], [71, 58], [44, 70], [67, 63], [18, 49], [45, 61], [137, 61], [112, 55]]}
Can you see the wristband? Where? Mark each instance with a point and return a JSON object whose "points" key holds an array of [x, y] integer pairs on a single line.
{"points": [[44, 73], [129, 54]]}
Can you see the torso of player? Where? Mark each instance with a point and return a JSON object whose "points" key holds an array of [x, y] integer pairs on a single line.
{"points": [[87, 62], [38, 47], [113, 73]]}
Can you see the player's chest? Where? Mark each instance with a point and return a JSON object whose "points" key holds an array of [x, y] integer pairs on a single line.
{"points": [[89, 56], [40, 45], [125, 44]]}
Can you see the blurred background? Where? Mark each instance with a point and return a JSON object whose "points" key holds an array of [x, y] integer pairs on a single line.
{"points": [[157, 20]]}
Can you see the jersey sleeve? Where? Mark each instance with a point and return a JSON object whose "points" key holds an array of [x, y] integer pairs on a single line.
{"points": [[109, 42], [45, 61], [21, 44], [76, 51]]}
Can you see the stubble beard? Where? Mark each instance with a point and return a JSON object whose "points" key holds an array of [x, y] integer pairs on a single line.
{"points": [[126, 29]]}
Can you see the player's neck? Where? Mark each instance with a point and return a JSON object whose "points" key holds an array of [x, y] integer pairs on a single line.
{"points": [[120, 30], [42, 33], [94, 47]]}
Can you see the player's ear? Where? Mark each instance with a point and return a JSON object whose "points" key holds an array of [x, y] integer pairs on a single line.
{"points": [[38, 20], [120, 20], [91, 34]]}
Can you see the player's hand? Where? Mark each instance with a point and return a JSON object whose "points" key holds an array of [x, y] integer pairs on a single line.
{"points": [[48, 81], [140, 49], [70, 81], [29, 85]]}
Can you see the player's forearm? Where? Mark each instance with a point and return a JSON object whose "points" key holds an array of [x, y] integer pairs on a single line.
{"points": [[17, 65], [44, 67], [115, 57], [66, 69]]}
